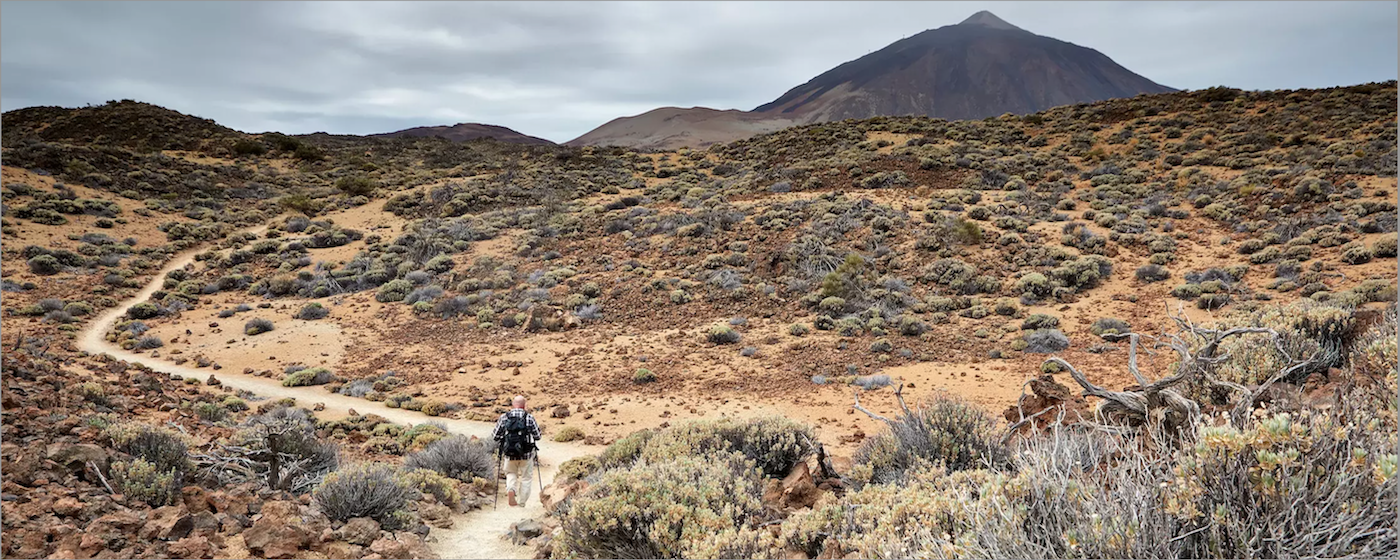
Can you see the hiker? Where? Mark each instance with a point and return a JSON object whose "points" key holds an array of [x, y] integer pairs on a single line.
{"points": [[515, 435]]}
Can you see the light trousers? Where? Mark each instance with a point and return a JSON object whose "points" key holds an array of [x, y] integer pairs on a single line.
{"points": [[518, 477]]}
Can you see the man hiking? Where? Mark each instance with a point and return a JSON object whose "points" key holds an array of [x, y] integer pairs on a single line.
{"points": [[515, 435]]}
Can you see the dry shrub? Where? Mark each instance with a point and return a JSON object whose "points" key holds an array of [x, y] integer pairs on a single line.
{"points": [[372, 490], [947, 431], [457, 457]]}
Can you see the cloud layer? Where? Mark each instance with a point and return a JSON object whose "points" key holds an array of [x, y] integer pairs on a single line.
{"points": [[559, 69]]}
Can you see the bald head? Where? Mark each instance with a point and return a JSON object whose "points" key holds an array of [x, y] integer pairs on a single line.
{"points": [[518, 401]]}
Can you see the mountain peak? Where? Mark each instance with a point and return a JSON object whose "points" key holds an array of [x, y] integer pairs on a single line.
{"points": [[985, 18]]}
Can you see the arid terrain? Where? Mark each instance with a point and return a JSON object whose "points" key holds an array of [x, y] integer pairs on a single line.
{"points": [[170, 283]]}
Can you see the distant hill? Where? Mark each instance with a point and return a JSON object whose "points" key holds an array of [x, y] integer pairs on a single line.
{"points": [[126, 123], [464, 132], [979, 68], [673, 127]]}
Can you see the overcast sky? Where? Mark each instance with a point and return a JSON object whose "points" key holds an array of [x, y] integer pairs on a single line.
{"points": [[557, 70]]}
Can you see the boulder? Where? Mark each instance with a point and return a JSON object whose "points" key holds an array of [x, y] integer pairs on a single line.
{"points": [[554, 494], [168, 523], [360, 531], [436, 515], [389, 547], [76, 456], [275, 537], [522, 531], [191, 547]]}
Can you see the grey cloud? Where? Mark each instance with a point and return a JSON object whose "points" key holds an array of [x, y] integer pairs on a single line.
{"points": [[559, 69]]}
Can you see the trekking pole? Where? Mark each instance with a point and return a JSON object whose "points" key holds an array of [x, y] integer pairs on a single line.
{"points": [[539, 474], [496, 482]]}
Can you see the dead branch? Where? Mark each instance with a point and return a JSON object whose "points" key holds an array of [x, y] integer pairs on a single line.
{"points": [[1011, 431], [869, 413], [899, 395], [93, 466]]}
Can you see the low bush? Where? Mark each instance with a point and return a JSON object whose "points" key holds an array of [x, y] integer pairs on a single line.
{"points": [[308, 376], [774, 444], [443, 489], [1045, 341], [1039, 321], [567, 434], [143, 310], [312, 311], [44, 265], [142, 480], [457, 457], [625, 450], [164, 449], [257, 326], [1152, 273], [1384, 247], [580, 468], [1357, 254], [372, 490], [1109, 325], [660, 510], [723, 334], [643, 375], [946, 431]]}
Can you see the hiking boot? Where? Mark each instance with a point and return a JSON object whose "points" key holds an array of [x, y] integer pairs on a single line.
{"points": [[510, 498]]}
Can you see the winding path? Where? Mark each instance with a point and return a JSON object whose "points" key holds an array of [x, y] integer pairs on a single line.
{"points": [[475, 534]]}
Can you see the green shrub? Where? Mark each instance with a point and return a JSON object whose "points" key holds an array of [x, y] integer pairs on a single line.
{"points": [[722, 334], [394, 290], [308, 376], [257, 326], [235, 404], [143, 310], [1384, 247], [370, 490], [643, 375], [1213, 301], [210, 412], [44, 265], [660, 510], [625, 450], [580, 468], [1357, 254], [163, 448], [774, 444], [142, 480], [1109, 325], [798, 329], [1187, 291], [442, 488], [312, 311], [567, 434], [1040, 321], [358, 185]]}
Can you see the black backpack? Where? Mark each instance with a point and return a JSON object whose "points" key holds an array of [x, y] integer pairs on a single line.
{"points": [[517, 443]]}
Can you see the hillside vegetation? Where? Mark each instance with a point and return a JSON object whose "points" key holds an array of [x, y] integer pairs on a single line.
{"points": [[1143, 327]]}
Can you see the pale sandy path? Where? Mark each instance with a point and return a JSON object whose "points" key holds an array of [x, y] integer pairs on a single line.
{"points": [[476, 534]]}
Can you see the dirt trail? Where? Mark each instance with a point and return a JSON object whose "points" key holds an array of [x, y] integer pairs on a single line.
{"points": [[476, 534]]}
